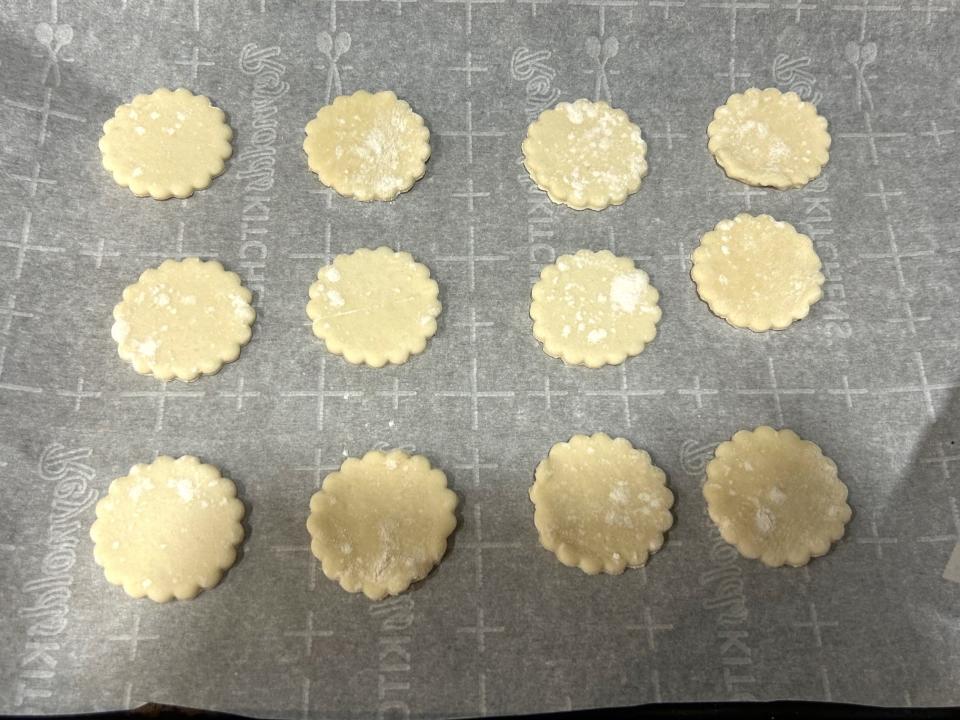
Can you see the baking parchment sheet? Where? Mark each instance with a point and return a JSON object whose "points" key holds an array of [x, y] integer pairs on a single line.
{"points": [[500, 626]]}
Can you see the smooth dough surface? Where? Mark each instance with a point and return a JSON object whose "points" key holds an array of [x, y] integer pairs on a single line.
{"points": [[756, 272], [594, 309], [183, 319], [166, 144], [368, 146], [168, 529], [381, 523], [585, 154], [600, 504], [769, 138], [374, 306], [776, 497]]}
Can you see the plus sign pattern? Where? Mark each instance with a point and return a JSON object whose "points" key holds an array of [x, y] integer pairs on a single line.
{"points": [[500, 626]]}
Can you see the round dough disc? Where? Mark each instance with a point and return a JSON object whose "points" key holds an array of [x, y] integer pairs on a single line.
{"points": [[756, 272], [776, 497], [585, 155], [183, 319], [368, 146], [600, 504], [381, 523], [594, 309], [166, 144], [168, 529], [769, 138], [374, 306]]}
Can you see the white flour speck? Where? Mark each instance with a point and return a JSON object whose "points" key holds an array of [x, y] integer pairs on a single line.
{"points": [[335, 298], [595, 336], [185, 490], [626, 291], [332, 274], [764, 520], [574, 114], [148, 347], [120, 330]]}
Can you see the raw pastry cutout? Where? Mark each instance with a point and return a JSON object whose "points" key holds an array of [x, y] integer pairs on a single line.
{"points": [[381, 523], [183, 319], [600, 504], [776, 497], [594, 309], [368, 146], [168, 529], [585, 155], [166, 144], [756, 272], [374, 306], [769, 138]]}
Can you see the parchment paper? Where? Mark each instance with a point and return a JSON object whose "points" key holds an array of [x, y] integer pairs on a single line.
{"points": [[500, 626]]}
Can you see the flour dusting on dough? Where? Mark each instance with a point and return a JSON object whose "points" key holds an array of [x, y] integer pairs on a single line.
{"points": [[627, 291]]}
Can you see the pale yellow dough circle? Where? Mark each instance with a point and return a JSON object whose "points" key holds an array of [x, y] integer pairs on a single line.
{"points": [[381, 523], [776, 497], [594, 309], [756, 272], [368, 146], [585, 155], [168, 529], [374, 306], [600, 504], [166, 144], [769, 138], [183, 319]]}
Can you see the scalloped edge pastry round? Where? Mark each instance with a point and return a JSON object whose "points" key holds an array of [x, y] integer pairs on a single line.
{"points": [[559, 148], [378, 160], [167, 168], [592, 521], [625, 307], [141, 549], [773, 162], [757, 272], [751, 503], [172, 289], [398, 323], [373, 534]]}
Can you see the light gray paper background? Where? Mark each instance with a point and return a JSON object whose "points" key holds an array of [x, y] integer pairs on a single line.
{"points": [[500, 626]]}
